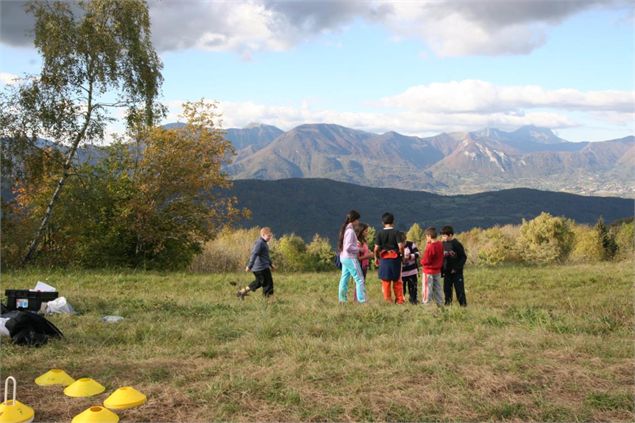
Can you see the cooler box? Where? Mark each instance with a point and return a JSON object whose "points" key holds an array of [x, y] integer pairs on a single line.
{"points": [[29, 300]]}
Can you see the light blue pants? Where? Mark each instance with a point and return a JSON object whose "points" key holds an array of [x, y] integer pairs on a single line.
{"points": [[351, 267]]}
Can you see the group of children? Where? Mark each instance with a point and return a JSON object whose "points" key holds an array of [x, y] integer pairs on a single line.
{"points": [[396, 257]]}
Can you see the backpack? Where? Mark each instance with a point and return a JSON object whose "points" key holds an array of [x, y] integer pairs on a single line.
{"points": [[337, 261]]}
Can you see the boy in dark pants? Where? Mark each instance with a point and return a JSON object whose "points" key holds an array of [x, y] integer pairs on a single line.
{"points": [[260, 264], [454, 259]]}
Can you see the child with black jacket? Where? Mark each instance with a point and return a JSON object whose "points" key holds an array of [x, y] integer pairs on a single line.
{"points": [[454, 259], [388, 255]]}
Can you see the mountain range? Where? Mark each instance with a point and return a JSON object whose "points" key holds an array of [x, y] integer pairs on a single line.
{"points": [[448, 163], [309, 206]]}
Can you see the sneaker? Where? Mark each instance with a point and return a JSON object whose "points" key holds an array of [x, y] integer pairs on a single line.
{"points": [[242, 294]]}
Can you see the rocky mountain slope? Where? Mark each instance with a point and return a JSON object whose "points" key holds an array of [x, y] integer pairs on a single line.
{"points": [[461, 162]]}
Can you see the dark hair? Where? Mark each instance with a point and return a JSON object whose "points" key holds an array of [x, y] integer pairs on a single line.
{"points": [[351, 216], [403, 237], [360, 227], [387, 218], [447, 230], [432, 231]]}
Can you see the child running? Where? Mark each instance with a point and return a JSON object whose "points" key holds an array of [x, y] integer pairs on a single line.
{"points": [[260, 264], [349, 253], [432, 262], [388, 252]]}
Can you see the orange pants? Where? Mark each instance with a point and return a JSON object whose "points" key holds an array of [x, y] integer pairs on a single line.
{"points": [[397, 287]]}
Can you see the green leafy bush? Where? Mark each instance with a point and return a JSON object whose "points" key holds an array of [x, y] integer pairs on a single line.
{"points": [[607, 240], [471, 242], [290, 254], [320, 255], [587, 246], [624, 238], [545, 239], [497, 245], [415, 234]]}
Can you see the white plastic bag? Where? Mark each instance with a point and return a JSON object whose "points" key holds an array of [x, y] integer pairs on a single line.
{"points": [[44, 287], [58, 305], [112, 319], [3, 326]]}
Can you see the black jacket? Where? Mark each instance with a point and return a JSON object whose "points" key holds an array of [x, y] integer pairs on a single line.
{"points": [[454, 257]]}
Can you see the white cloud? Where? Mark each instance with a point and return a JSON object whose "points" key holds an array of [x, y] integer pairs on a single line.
{"points": [[616, 118], [409, 122], [449, 27], [8, 78], [484, 97], [450, 32], [448, 107], [243, 27]]}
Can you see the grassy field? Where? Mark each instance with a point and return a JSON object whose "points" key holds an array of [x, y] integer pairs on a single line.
{"points": [[541, 344]]}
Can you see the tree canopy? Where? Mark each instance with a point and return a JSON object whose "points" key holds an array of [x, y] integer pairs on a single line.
{"points": [[149, 202], [97, 56]]}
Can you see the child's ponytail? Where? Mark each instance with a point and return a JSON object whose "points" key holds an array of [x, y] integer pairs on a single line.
{"points": [[352, 216]]}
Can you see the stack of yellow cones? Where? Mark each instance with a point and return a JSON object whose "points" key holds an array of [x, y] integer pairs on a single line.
{"points": [[122, 398], [14, 411], [96, 414], [84, 387], [126, 397], [54, 377]]}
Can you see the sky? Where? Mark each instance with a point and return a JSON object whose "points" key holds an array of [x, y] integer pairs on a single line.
{"points": [[415, 67]]}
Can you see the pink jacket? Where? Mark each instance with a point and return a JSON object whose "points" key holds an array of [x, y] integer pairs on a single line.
{"points": [[363, 251], [349, 247]]}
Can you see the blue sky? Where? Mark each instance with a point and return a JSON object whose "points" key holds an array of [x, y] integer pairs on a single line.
{"points": [[419, 68]]}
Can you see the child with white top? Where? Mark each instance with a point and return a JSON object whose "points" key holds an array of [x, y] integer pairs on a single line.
{"points": [[349, 257]]}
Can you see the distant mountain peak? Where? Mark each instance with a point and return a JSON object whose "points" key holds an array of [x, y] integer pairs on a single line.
{"points": [[492, 133], [254, 125], [329, 130], [393, 134], [329, 126], [255, 135], [537, 134], [174, 125]]}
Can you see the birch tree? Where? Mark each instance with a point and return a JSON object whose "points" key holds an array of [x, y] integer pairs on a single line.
{"points": [[97, 56]]}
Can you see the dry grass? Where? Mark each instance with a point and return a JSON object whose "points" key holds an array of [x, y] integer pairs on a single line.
{"points": [[227, 252], [535, 344]]}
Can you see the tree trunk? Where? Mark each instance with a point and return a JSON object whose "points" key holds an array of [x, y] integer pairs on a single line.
{"points": [[67, 165]]}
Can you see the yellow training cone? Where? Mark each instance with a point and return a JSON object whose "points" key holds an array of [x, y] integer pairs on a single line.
{"points": [[84, 387], [126, 397], [14, 411], [54, 377], [96, 414]]}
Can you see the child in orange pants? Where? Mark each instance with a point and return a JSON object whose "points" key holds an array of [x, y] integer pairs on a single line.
{"points": [[388, 253]]}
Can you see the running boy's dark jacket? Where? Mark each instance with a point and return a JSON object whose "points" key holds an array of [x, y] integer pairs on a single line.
{"points": [[259, 259], [454, 257]]}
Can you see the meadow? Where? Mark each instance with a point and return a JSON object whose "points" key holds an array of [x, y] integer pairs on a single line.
{"points": [[551, 343]]}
